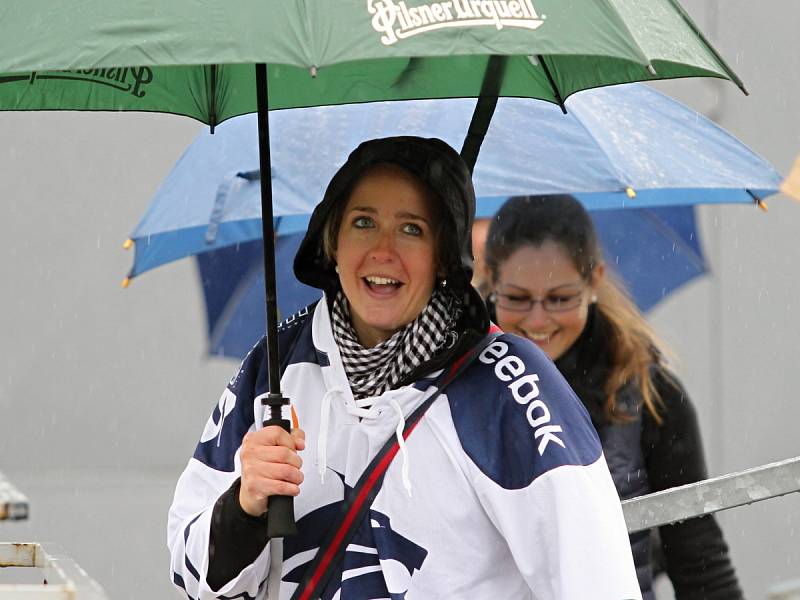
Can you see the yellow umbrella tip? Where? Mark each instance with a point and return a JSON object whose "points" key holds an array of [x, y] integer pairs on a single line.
{"points": [[631, 192], [763, 205], [128, 243], [126, 282]]}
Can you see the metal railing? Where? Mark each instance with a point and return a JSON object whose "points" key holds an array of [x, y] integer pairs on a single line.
{"points": [[62, 578], [716, 494], [712, 495], [788, 590]]}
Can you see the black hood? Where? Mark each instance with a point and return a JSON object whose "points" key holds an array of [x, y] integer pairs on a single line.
{"points": [[438, 166]]}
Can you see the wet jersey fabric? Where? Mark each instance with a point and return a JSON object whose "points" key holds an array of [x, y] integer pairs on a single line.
{"points": [[502, 490]]}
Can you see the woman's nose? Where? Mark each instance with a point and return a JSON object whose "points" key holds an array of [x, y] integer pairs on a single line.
{"points": [[383, 249], [536, 316]]}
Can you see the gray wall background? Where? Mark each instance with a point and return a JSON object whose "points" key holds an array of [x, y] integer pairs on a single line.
{"points": [[104, 391]]}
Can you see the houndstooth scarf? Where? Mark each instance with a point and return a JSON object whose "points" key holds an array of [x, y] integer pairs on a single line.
{"points": [[372, 371]]}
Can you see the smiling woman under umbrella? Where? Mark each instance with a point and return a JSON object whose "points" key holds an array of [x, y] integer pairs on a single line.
{"points": [[435, 459], [551, 285]]}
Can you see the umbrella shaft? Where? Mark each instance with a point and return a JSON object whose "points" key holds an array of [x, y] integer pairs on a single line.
{"points": [[267, 231]]}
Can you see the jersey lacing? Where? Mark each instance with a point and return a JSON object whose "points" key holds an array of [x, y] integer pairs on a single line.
{"points": [[363, 409]]}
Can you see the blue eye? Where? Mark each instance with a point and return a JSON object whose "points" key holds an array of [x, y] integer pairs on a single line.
{"points": [[412, 229], [362, 222]]}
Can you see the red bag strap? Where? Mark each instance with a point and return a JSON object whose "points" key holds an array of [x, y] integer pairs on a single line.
{"points": [[356, 507]]}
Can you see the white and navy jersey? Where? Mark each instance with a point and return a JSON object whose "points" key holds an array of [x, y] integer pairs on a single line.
{"points": [[506, 492]]}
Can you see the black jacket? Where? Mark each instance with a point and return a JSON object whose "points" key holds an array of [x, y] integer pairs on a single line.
{"points": [[694, 553]]}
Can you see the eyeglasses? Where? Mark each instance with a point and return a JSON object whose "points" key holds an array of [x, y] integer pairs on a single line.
{"points": [[553, 302]]}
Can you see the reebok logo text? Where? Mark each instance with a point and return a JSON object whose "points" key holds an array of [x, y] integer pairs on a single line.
{"points": [[524, 389]]}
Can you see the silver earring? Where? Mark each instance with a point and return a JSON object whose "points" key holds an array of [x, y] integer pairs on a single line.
{"points": [[444, 283], [593, 299], [336, 268]]}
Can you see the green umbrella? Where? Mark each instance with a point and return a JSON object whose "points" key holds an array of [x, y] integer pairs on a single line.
{"points": [[196, 57]]}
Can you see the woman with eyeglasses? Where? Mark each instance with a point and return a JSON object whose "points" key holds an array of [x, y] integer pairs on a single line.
{"points": [[550, 284]]}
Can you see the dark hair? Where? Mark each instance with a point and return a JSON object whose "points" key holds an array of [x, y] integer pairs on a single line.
{"points": [[562, 219], [442, 170], [533, 220]]}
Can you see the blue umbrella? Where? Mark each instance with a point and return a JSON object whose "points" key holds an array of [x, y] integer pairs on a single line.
{"points": [[618, 148], [654, 250], [621, 146], [231, 277]]}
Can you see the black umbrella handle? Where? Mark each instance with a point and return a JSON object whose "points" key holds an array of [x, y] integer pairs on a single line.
{"points": [[280, 509]]}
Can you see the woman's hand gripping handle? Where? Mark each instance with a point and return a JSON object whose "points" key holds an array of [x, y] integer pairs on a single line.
{"points": [[271, 474]]}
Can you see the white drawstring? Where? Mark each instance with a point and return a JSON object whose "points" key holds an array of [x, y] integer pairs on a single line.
{"points": [[362, 409], [322, 438], [401, 425], [358, 408]]}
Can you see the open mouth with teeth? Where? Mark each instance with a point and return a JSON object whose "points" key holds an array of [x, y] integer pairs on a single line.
{"points": [[381, 285], [540, 338]]}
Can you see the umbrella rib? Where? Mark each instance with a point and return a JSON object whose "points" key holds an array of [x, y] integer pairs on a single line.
{"points": [[551, 80], [623, 179], [647, 64], [212, 109], [229, 312], [691, 24], [669, 233]]}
